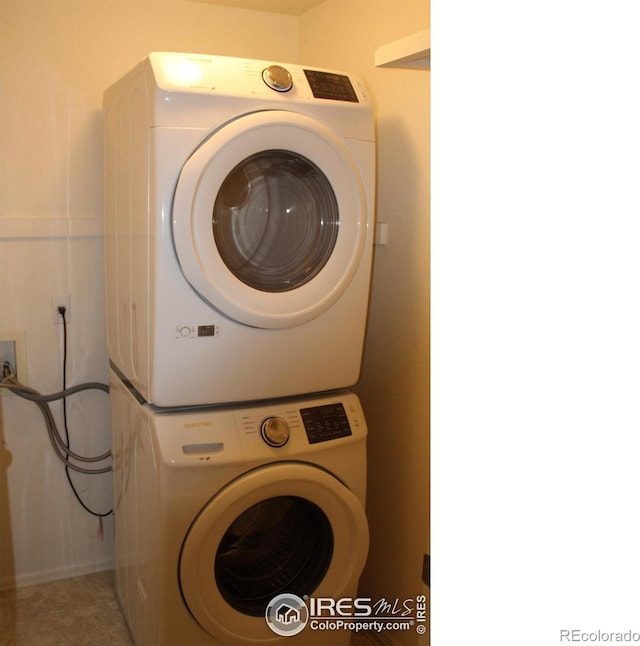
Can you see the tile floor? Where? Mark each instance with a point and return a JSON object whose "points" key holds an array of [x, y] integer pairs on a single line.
{"points": [[72, 612], [82, 611]]}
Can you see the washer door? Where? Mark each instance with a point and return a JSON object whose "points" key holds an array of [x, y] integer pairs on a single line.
{"points": [[288, 527], [269, 219]]}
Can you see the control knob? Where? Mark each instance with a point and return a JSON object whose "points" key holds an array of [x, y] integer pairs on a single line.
{"points": [[275, 431], [277, 78]]}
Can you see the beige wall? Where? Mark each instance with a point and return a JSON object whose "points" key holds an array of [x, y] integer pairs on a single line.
{"points": [[395, 380], [57, 58]]}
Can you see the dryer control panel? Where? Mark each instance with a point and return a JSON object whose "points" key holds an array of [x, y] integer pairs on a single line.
{"points": [[229, 78], [328, 85], [324, 85]]}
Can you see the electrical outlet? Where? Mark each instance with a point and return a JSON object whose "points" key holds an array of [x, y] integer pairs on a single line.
{"points": [[57, 301]]}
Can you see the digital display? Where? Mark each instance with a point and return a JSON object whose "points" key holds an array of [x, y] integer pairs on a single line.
{"points": [[327, 422], [206, 330], [326, 85]]}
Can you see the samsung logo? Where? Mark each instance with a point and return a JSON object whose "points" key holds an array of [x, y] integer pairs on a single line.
{"points": [[197, 424]]}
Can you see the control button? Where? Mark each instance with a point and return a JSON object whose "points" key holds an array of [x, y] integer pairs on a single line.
{"points": [[277, 78], [185, 331], [275, 431]]}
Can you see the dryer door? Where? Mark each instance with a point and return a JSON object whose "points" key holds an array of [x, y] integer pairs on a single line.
{"points": [[269, 219], [285, 527]]}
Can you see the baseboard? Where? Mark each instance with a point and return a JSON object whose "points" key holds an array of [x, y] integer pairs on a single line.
{"points": [[47, 576]]}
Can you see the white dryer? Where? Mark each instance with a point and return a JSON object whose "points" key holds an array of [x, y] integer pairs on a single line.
{"points": [[220, 510], [239, 210]]}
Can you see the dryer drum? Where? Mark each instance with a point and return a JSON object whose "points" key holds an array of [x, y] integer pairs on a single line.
{"points": [[275, 220], [280, 544]]}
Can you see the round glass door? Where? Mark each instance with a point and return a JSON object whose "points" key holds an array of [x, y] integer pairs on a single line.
{"points": [[269, 219], [275, 220], [284, 527], [283, 544]]}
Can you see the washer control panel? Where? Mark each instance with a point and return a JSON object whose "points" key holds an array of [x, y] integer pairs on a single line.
{"points": [[275, 431], [294, 425], [327, 422], [225, 435]]}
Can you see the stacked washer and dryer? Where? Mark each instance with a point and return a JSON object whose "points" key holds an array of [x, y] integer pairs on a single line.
{"points": [[239, 222]]}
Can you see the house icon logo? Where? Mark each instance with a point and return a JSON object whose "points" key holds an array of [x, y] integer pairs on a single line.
{"points": [[286, 615]]}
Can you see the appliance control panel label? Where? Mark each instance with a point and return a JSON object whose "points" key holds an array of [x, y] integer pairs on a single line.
{"points": [[194, 331], [327, 422], [327, 85]]}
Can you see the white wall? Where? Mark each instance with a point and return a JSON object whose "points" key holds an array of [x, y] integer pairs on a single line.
{"points": [[394, 387], [56, 59]]}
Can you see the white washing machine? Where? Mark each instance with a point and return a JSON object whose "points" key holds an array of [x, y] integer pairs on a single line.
{"points": [[218, 510], [239, 209]]}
